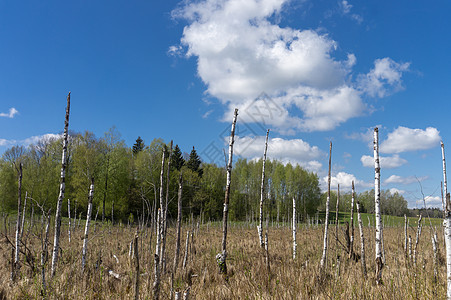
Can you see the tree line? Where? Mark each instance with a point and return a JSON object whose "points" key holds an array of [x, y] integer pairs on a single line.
{"points": [[127, 181]]}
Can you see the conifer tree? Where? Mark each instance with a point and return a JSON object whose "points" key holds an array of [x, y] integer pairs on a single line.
{"points": [[138, 146], [177, 160], [194, 162]]}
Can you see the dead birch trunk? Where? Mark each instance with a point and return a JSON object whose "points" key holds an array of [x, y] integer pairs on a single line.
{"points": [[88, 219], [44, 253], [294, 228], [351, 240], [362, 240], [417, 240], [185, 258], [136, 266], [336, 216], [326, 223], [262, 194], [377, 208], [156, 283], [179, 225], [221, 257], [68, 211], [56, 241], [18, 224], [447, 225], [405, 234], [165, 225], [434, 249], [22, 227]]}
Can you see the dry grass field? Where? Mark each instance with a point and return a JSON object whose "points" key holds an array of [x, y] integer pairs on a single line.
{"points": [[248, 277]]}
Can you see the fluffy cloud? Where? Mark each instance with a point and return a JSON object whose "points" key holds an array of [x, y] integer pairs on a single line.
{"points": [[31, 140], [395, 190], [241, 53], [404, 180], [345, 181], [12, 112], [432, 201], [295, 151], [388, 162], [407, 139], [384, 77]]}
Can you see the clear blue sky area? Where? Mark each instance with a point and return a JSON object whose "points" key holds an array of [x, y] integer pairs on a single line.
{"points": [[311, 71]]}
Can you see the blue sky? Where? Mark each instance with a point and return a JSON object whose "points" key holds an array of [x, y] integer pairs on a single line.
{"points": [[318, 70]]}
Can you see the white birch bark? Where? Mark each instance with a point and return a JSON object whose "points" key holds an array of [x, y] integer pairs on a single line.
{"points": [[22, 227], [294, 228], [68, 211], [362, 240], [326, 223], [179, 225], [44, 253], [221, 257], [405, 234], [262, 194], [336, 216], [18, 224], [165, 213], [185, 258], [447, 225], [56, 240], [377, 207], [417, 240], [88, 220], [351, 245], [156, 283]]}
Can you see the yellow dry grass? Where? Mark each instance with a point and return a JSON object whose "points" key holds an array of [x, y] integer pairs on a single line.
{"points": [[248, 275]]}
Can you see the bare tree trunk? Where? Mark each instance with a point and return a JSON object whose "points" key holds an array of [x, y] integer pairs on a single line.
{"points": [[434, 248], [405, 234], [351, 240], [294, 228], [165, 225], [336, 217], [88, 219], [44, 253], [136, 266], [326, 223], [185, 258], [417, 240], [156, 283], [22, 227], [68, 211], [221, 257], [377, 207], [362, 240], [18, 225], [179, 225], [106, 184], [56, 241], [447, 225], [262, 194]]}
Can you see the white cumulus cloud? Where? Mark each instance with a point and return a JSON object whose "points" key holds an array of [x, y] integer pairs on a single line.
{"points": [[383, 78], [395, 190], [404, 180], [12, 112], [407, 139], [345, 181], [241, 53], [387, 162], [294, 151]]}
